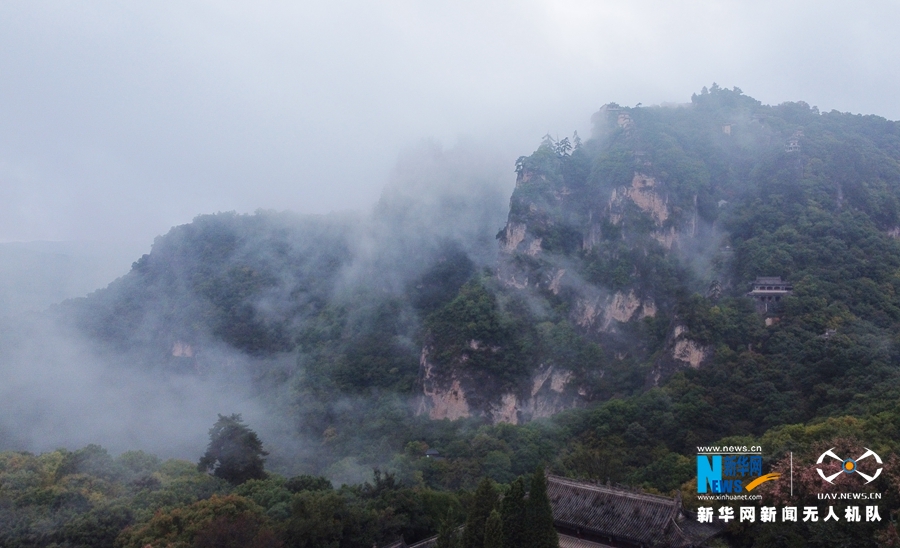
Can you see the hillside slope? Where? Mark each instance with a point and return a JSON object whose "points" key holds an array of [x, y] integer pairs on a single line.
{"points": [[635, 250], [624, 260], [614, 298]]}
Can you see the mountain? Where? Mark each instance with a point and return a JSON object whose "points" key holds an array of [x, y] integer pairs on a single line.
{"points": [[635, 250], [716, 273], [624, 259]]}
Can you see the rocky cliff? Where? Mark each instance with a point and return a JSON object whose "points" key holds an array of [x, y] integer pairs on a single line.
{"points": [[604, 237], [548, 392]]}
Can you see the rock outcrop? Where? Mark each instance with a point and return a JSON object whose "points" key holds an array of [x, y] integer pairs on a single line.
{"points": [[688, 351], [548, 393], [603, 313], [681, 351], [588, 244], [642, 193]]}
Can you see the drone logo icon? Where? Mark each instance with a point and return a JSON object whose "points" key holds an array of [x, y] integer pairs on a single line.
{"points": [[848, 466]]}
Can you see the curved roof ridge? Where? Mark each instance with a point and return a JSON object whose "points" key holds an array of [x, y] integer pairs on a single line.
{"points": [[620, 491]]}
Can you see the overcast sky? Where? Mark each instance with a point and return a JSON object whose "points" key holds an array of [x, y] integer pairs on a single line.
{"points": [[121, 119]]}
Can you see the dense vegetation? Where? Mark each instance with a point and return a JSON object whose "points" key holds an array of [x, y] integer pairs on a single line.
{"points": [[88, 498], [328, 311]]}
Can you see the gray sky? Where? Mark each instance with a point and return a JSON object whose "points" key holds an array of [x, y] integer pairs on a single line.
{"points": [[121, 119]]}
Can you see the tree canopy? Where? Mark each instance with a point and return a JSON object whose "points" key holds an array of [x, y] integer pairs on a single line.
{"points": [[235, 453]]}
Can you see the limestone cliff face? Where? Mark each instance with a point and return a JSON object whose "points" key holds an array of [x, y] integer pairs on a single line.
{"points": [[688, 351], [681, 351], [595, 307], [550, 391], [441, 399], [595, 237], [642, 193], [603, 313], [646, 195], [515, 234]]}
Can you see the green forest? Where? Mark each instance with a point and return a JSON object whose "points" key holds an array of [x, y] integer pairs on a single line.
{"points": [[676, 210]]}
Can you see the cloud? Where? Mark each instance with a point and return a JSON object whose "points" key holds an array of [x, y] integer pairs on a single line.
{"points": [[56, 391], [130, 385], [123, 120]]}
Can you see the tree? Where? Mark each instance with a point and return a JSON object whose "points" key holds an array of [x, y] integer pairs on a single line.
{"points": [[541, 533], [222, 521], [297, 484], [576, 140], [319, 519], [447, 532], [493, 531], [512, 511], [235, 452], [520, 164], [484, 501]]}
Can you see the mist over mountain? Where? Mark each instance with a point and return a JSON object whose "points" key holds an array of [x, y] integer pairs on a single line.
{"points": [[623, 259], [593, 317], [233, 297], [35, 275]]}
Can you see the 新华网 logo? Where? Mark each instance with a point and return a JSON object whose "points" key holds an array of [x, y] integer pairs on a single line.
{"points": [[735, 473]]}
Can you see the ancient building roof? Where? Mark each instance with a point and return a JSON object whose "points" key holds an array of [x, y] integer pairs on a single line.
{"points": [[623, 517], [770, 285], [427, 543], [565, 541], [764, 280], [767, 292]]}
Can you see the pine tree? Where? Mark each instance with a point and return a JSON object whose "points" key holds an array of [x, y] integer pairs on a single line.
{"points": [[484, 501], [539, 513], [447, 534], [520, 164], [512, 512], [493, 531], [235, 452]]}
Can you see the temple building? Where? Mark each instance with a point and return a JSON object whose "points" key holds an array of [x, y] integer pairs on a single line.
{"points": [[593, 515], [793, 144], [767, 291]]}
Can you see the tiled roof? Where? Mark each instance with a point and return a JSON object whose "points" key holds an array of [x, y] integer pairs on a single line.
{"points": [[566, 541], [427, 543], [620, 515]]}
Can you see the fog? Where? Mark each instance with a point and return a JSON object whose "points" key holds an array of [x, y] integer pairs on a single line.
{"points": [[58, 391], [120, 121], [35, 275], [116, 376]]}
